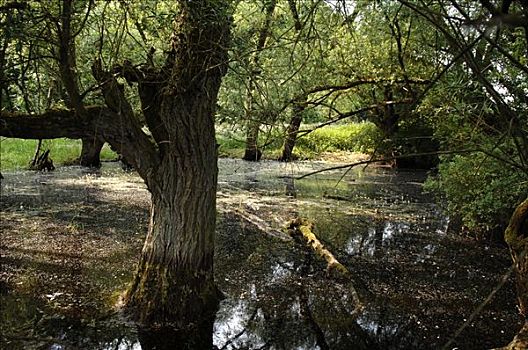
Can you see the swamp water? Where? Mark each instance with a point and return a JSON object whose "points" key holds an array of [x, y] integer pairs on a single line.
{"points": [[70, 241]]}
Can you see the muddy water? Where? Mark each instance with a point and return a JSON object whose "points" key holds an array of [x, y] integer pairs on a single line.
{"points": [[417, 285]]}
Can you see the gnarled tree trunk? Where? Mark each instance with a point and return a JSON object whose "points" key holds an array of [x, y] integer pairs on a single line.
{"points": [[174, 283], [516, 235]]}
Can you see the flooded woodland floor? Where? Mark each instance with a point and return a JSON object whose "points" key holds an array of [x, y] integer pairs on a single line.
{"points": [[70, 241]]}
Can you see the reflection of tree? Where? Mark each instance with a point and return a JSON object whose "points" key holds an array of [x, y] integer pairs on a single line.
{"points": [[378, 237], [242, 332], [289, 184], [307, 315], [167, 338]]}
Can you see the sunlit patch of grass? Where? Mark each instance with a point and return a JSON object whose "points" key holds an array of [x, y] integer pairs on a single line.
{"points": [[18, 153], [350, 137], [354, 137]]}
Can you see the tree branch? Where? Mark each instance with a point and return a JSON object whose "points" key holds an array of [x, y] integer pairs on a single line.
{"points": [[49, 125]]}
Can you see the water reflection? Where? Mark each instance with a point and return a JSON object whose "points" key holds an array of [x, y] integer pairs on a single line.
{"points": [[416, 281]]}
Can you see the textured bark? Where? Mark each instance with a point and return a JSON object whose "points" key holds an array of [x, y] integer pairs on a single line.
{"points": [[66, 57], [49, 125], [174, 282], [293, 129], [125, 137], [128, 140], [91, 152], [516, 235]]}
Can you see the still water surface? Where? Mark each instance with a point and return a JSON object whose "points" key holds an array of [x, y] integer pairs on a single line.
{"points": [[417, 284]]}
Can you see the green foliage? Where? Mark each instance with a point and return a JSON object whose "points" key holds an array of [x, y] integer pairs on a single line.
{"points": [[354, 137], [17, 153], [479, 190]]}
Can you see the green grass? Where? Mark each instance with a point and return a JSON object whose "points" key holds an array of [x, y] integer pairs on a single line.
{"points": [[18, 153], [353, 137]]}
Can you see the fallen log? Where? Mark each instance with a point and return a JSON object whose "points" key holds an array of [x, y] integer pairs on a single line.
{"points": [[302, 230], [300, 227]]}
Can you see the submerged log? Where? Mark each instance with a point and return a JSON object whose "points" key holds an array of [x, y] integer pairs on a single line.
{"points": [[300, 227], [302, 230]]}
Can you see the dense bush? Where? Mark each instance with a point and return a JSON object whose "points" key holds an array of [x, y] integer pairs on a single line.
{"points": [[479, 191], [361, 137]]}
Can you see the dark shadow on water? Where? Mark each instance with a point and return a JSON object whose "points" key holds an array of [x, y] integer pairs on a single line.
{"points": [[169, 339]]}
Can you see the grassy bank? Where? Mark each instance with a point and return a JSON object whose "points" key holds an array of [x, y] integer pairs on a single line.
{"points": [[350, 137], [353, 137], [18, 153]]}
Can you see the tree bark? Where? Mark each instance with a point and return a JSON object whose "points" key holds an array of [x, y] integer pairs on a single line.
{"points": [[516, 236], [91, 152], [252, 151], [174, 283], [66, 57], [51, 124], [293, 129]]}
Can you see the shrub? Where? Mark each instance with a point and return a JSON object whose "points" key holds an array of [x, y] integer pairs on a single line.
{"points": [[480, 191]]}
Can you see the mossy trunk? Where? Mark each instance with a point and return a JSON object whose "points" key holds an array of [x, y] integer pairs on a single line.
{"points": [[174, 285], [516, 235]]}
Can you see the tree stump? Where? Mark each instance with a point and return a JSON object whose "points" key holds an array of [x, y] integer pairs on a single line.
{"points": [[43, 163]]}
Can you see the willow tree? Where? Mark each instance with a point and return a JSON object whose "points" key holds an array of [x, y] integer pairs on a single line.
{"points": [[176, 267], [177, 159]]}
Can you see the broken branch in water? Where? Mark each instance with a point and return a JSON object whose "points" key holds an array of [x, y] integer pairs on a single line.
{"points": [[300, 227]]}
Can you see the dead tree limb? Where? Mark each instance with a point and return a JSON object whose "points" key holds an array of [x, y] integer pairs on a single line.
{"points": [[299, 227]]}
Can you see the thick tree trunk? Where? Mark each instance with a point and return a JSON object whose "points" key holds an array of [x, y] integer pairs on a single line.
{"points": [[516, 235], [252, 152], [293, 129], [174, 284], [91, 152]]}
